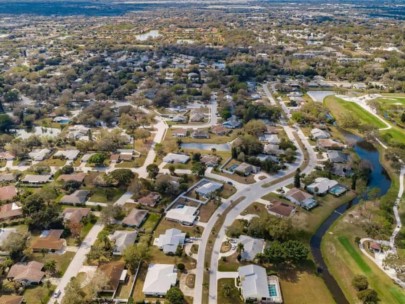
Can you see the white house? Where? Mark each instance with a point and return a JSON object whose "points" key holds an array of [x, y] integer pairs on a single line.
{"points": [[176, 158], [321, 185], [319, 134], [159, 279], [122, 239], [185, 215], [170, 240]]}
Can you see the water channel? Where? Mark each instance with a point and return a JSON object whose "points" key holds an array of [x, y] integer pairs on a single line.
{"points": [[377, 179]]}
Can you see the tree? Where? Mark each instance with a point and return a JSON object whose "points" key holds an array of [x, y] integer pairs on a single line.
{"points": [[360, 282], [111, 213], [97, 159], [73, 293], [255, 127], [153, 170], [368, 296], [50, 266], [5, 123], [275, 253], [175, 296], [98, 282], [123, 176], [75, 228], [135, 255], [295, 251], [68, 169], [15, 244], [172, 169], [297, 178], [198, 169]]}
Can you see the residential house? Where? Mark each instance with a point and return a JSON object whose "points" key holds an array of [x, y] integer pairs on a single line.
{"points": [[343, 170], [179, 118], [122, 239], [86, 157], [150, 200], [39, 154], [4, 155], [8, 193], [10, 212], [11, 299], [49, 241], [321, 186], [135, 218], [28, 274], [67, 154], [207, 189], [272, 149], [232, 123], [79, 197], [220, 130], [270, 139], [271, 130], [255, 285], [170, 240], [159, 279], [75, 215], [210, 160], [301, 198], [35, 180], [116, 274], [319, 134], [251, 247], [176, 158], [246, 169], [337, 156], [201, 134], [179, 132], [76, 177], [196, 116], [185, 215], [4, 234], [281, 209], [329, 144], [7, 177]]}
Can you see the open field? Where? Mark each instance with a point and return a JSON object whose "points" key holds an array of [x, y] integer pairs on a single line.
{"points": [[345, 260], [339, 108]]}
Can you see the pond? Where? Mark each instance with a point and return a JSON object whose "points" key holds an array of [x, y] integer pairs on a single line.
{"points": [[147, 35], [377, 179], [206, 147]]}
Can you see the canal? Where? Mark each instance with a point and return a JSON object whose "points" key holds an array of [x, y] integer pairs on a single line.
{"points": [[378, 179]]}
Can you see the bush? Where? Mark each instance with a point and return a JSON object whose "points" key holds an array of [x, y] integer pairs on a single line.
{"points": [[368, 296], [181, 267], [360, 282]]}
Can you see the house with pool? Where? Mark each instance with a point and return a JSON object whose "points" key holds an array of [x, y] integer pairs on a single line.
{"points": [[256, 286]]}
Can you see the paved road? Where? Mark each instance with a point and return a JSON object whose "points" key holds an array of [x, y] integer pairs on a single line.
{"points": [[78, 260], [251, 194]]}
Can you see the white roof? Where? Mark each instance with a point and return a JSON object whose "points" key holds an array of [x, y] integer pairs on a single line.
{"points": [[318, 133], [39, 154], [323, 184], [254, 282], [184, 214], [30, 178], [208, 188], [69, 154], [176, 158], [159, 279], [171, 240]]}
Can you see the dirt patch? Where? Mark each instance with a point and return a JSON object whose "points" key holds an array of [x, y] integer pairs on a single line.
{"points": [[225, 247], [190, 280]]}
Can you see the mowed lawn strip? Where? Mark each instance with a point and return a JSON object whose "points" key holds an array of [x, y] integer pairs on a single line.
{"points": [[354, 254]]}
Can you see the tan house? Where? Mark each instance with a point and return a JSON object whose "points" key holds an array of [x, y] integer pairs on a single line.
{"points": [[8, 193], [116, 273], [27, 274], [135, 218], [49, 241], [10, 211], [77, 177], [150, 200], [75, 215]]}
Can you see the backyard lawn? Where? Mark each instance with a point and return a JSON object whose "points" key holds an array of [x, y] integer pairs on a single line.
{"points": [[228, 293], [150, 222], [62, 260], [106, 195], [38, 294]]}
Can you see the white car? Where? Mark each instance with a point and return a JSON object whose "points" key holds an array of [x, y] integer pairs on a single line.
{"points": [[56, 294]]}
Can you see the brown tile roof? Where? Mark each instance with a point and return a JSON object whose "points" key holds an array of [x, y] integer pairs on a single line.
{"points": [[281, 208], [114, 157], [113, 271], [298, 194], [135, 217], [27, 272], [150, 200], [77, 197], [9, 299], [126, 157], [220, 129], [9, 211], [51, 242], [78, 177], [75, 215], [7, 192]]}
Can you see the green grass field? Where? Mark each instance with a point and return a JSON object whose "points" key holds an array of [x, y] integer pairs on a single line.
{"points": [[354, 254], [339, 107]]}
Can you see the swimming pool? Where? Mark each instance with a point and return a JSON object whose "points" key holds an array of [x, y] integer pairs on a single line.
{"points": [[337, 190], [272, 290]]}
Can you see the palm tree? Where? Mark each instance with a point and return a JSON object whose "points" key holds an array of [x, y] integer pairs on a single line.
{"points": [[240, 248]]}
